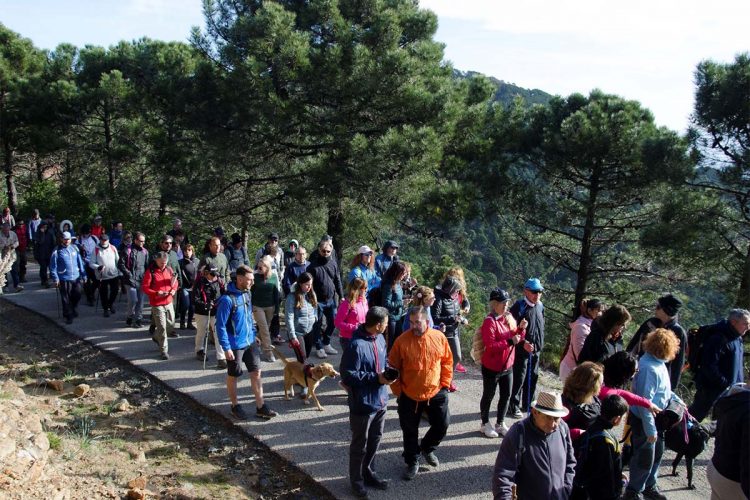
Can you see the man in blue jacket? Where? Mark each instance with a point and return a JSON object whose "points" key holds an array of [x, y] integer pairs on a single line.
{"points": [[721, 361], [234, 329], [385, 259], [67, 271], [362, 367], [526, 364]]}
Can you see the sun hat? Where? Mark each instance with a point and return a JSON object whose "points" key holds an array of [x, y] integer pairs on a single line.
{"points": [[550, 403]]}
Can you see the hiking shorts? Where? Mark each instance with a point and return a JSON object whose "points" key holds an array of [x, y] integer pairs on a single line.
{"points": [[250, 356]]}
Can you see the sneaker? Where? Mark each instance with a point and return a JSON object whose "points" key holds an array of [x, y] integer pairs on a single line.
{"points": [[515, 413], [321, 353], [374, 481], [106, 313], [221, 364], [459, 368], [654, 494], [19, 288], [200, 355], [631, 495], [488, 430], [452, 387], [411, 471], [501, 429], [431, 459], [112, 310], [173, 335], [182, 325], [265, 412], [190, 326], [330, 350], [239, 413], [129, 321], [138, 324], [164, 356]]}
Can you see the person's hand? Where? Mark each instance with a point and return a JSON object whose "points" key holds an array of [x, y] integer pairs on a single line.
{"points": [[294, 342], [651, 439], [523, 324], [57, 284], [383, 380], [654, 409], [529, 347], [229, 355], [515, 339], [441, 327]]}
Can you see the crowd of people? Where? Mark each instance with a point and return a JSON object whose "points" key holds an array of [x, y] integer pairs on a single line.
{"points": [[396, 334]]}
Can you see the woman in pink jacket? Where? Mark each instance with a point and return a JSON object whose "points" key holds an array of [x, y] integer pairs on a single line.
{"points": [[352, 311], [588, 311], [500, 334]]}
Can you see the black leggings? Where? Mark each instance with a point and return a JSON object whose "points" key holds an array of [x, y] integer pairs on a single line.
{"points": [[490, 380]]}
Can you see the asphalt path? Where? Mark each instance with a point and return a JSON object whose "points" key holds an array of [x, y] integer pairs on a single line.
{"points": [[317, 441]]}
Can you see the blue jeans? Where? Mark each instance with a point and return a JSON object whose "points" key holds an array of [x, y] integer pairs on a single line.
{"points": [[186, 305], [328, 310], [135, 303], [644, 464]]}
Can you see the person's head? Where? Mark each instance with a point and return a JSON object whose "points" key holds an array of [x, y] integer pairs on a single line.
{"points": [[376, 320], [213, 245], [139, 239], [5, 228], [356, 290], [450, 285], [20, 222], [211, 272], [161, 259], [590, 308], [66, 226], [584, 382], [189, 251], [177, 224], [532, 290], [395, 273], [273, 240], [614, 407], [418, 320], [305, 282], [36, 213], [245, 278], [300, 255], [6, 211], [219, 232], [236, 240], [104, 240], [85, 229], [662, 344], [98, 220], [117, 226], [293, 244], [458, 273], [166, 242], [390, 248], [65, 238], [325, 248], [619, 369], [423, 296], [127, 237], [364, 256], [43, 226], [179, 237], [739, 319], [547, 411], [613, 321], [499, 300], [305, 289], [667, 307], [265, 266]]}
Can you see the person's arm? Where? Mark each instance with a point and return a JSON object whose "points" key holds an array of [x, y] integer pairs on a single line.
{"points": [[676, 365], [645, 385], [709, 366], [286, 282], [81, 266], [570, 463], [578, 335], [493, 340], [506, 465], [630, 398], [222, 316], [353, 373], [276, 298], [146, 284], [342, 321], [289, 316], [53, 267], [446, 364], [337, 282]]}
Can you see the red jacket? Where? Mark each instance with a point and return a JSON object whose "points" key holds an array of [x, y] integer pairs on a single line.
{"points": [[97, 230], [157, 280], [22, 241], [499, 352]]}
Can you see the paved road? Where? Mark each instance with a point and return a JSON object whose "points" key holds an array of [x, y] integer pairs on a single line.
{"points": [[318, 441]]}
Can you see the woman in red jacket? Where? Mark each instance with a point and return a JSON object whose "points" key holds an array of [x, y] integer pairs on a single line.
{"points": [[500, 334]]}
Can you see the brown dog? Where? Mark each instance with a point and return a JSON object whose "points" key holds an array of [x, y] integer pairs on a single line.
{"points": [[310, 377]]}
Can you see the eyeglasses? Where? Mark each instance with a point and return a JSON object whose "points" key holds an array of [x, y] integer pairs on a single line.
{"points": [[367, 254], [325, 252], [537, 292]]}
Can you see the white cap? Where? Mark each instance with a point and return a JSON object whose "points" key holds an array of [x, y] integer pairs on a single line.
{"points": [[66, 235], [364, 249]]}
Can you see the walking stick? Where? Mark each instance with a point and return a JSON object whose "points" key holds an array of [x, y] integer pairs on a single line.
{"points": [[97, 292], [57, 296], [205, 338], [528, 383]]}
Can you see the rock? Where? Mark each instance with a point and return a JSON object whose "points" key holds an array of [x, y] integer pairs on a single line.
{"points": [[41, 441], [7, 447], [122, 405], [57, 385], [11, 388], [138, 483], [81, 390], [136, 494], [33, 424], [141, 456]]}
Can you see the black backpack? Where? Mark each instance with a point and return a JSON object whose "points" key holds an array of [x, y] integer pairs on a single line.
{"points": [[696, 339], [375, 297]]}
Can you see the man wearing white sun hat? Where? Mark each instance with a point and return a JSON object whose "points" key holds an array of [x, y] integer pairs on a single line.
{"points": [[537, 454]]}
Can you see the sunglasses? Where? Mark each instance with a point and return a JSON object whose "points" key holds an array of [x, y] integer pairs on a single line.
{"points": [[325, 252], [367, 254], [535, 292]]}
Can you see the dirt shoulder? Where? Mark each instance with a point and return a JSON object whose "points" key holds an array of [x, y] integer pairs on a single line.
{"points": [[129, 434]]}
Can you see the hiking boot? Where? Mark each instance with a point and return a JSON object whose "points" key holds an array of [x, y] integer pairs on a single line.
{"points": [[488, 430], [200, 355], [501, 429], [631, 495], [173, 335], [138, 324], [164, 356], [374, 481], [330, 350], [411, 471], [459, 368], [19, 288], [182, 325], [321, 353], [359, 491], [190, 326], [265, 412], [431, 459], [129, 321], [221, 364], [239, 413], [653, 494]]}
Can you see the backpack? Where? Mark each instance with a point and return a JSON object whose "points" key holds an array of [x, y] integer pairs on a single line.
{"points": [[477, 346], [582, 476], [375, 297], [696, 339], [231, 328]]}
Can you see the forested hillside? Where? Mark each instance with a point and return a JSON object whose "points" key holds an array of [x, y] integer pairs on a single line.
{"points": [[343, 119]]}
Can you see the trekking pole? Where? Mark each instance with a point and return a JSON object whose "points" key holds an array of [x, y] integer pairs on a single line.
{"points": [[57, 296], [97, 292], [205, 338], [528, 384]]}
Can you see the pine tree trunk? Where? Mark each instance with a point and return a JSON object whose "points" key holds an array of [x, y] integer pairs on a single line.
{"points": [[335, 227], [743, 295], [584, 264], [9, 179]]}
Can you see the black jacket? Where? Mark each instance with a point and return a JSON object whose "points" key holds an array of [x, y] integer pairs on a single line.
{"points": [[189, 271], [44, 245], [132, 265], [582, 415], [446, 310], [534, 330], [326, 278], [721, 358], [675, 366], [732, 448], [597, 348], [206, 294], [599, 470]]}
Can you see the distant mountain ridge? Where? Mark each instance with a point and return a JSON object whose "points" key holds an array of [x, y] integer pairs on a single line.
{"points": [[507, 92]]}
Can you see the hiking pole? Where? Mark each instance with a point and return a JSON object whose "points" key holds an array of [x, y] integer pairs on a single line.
{"points": [[205, 338], [57, 296], [97, 292], [528, 384]]}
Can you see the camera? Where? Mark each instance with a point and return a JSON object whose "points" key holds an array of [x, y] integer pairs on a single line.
{"points": [[390, 373]]}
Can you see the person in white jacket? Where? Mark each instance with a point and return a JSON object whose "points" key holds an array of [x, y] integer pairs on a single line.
{"points": [[589, 310], [104, 262]]}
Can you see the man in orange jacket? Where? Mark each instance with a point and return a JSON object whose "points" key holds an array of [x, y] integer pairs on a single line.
{"points": [[160, 284], [425, 362]]}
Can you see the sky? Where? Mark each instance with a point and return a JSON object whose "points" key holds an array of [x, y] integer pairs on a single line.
{"points": [[641, 50]]}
